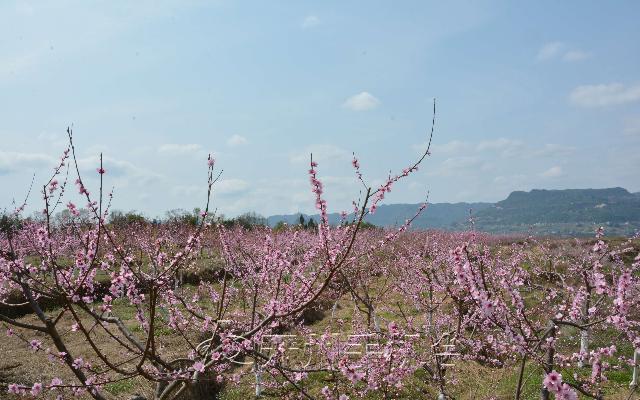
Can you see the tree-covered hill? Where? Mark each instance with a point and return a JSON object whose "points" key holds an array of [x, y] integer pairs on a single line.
{"points": [[540, 212]]}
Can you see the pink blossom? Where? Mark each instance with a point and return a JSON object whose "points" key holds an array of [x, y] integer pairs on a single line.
{"points": [[552, 381], [13, 388], [55, 382], [393, 328], [198, 366], [78, 363], [35, 344], [36, 389], [566, 393], [73, 209], [600, 283]]}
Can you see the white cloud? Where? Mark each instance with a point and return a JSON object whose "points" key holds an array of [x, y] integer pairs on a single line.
{"points": [[24, 8], [361, 102], [288, 195], [178, 149], [54, 140], [11, 67], [188, 190], [230, 186], [575, 55], [310, 21], [458, 166], [321, 152], [554, 150], [632, 127], [224, 187], [122, 170], [552, 172], [498, 144], [604, 95], [14, 161], [506, 147], [237, 140], [454, 146], [549, 51], [558, 50]]}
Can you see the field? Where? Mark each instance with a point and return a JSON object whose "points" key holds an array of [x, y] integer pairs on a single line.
{"points": [[99, 305]]}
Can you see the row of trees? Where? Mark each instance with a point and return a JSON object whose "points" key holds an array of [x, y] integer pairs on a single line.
{"points": [[194, 218], [247, 220], [121, 219]]}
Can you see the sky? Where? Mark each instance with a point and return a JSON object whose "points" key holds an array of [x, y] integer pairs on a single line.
{"points": [[529, 95]]}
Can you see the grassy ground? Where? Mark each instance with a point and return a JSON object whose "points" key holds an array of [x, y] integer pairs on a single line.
{"points": [[473, 381], [18, 364]]}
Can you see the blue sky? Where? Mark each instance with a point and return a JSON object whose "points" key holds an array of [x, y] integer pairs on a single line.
{"points": [[530, 95]]}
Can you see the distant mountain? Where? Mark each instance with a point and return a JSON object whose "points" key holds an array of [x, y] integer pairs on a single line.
{"points": [[541, 212], [564, 212]]}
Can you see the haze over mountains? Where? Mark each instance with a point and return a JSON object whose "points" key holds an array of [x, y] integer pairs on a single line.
{"points": [[540, 212]]}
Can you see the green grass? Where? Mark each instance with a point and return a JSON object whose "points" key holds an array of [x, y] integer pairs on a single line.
{"points": [[120, 387]]}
